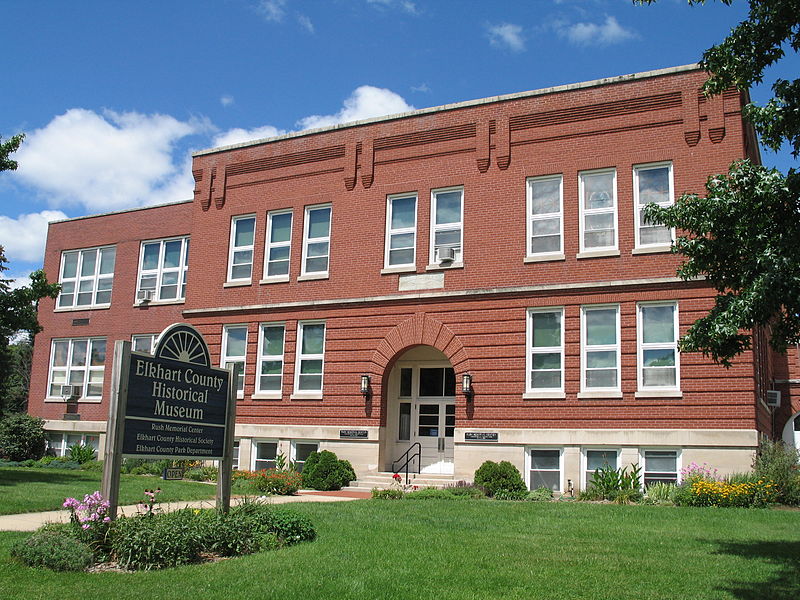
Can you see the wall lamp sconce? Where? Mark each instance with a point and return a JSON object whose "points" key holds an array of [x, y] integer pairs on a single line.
{"points": [[365, 389], [466, 386]]}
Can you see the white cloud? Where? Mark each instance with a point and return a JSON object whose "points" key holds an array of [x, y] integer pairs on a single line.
{"points": [[273, 10], [596, 34], [23, 238], [404, 5], [305, 23], [107, 162], [421, 88], [226, 100], [239, 135], [507, 35], [365, 102]]}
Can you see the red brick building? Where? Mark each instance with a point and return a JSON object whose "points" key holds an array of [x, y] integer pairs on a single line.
{"points": [[499, 239]]}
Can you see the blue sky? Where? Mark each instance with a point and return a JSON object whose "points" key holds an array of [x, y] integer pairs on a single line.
{"points": [[114, 96]]}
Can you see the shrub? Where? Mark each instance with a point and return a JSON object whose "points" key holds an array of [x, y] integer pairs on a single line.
{"points": [[626, 496], [511, 495], [53, 549], [272, 481], [779, 463], [660, 493], [541, 494], [65, 463], [607, 483], [202, 474], [93, 466], [158, 541], [494, 477], [432, 494], [22, 437], [387, 494], [464, 489], [324, 471], [81, 453], [287, 525]]}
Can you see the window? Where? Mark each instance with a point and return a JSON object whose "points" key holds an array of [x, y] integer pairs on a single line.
{"points": [[270, 358], [652, 184], [240, 260], [144, 343], [80, 363], [404, 422], [658, 346], [545, 469], [437, 382], [265, 455], [447, 215], [301, 452], [59, 442], [598, 203], [598, 459], [316, 240], [401, 231], [87, 277], [310, 357], [546, 349], [236, 445], [162, 268], [234, 351], [279, 245], [544, 215], [600, 345], [660, 466]]}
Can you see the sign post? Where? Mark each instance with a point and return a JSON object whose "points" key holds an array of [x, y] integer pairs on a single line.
{"points": [[172, 404]]}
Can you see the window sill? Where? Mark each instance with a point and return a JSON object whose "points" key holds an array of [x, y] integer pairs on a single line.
{"points": [[306, 396], [658, 394], [544, 258], [652, 250], [435, 267], [54, 400], [402, 269], [242, 283], [267, 396], [79, 308], [158, 303], [597, 253], [612, 395], [281, 279], [313, 276], [544, 395]]}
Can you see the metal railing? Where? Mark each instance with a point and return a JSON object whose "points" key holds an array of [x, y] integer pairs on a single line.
{"points": [[408, 456]]}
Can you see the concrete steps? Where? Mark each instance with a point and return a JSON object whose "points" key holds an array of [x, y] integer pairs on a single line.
{"points": [[385, 480]]}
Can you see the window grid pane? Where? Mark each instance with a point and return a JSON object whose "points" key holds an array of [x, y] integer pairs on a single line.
{"points": [[545, 470], [316, 240], [652, 185], [658, 346], [270, 360], [80, 363], [544, 215], [163, 267], [599, 210], [241, 248], [401, 231], [447, 224], [279, 242], [546, 350], [600, 337], [234, 352], [310, 357], [87, 277]]}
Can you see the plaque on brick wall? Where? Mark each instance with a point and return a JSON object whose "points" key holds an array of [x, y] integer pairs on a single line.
{"points": [[353, 434], [480, 436]]}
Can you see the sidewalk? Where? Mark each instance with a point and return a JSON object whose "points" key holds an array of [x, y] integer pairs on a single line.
{"points": [[32, 521]]}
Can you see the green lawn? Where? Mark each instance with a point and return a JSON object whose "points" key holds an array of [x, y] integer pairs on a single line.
{"points": [[443, 550], [33, 490]]}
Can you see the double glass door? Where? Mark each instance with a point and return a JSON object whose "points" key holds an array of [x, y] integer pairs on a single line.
{"points": [[435, 425]]}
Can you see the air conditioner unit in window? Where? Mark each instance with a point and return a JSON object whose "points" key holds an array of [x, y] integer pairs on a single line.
{"points": [[70, 392], [773, 398], [445, 255], [144, 295]]}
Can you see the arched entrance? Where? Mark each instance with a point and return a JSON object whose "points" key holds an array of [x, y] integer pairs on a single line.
{"points": [[421, 409], [791, 432]]}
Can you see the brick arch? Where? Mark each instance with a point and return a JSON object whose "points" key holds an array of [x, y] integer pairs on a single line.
{"points": [[419, 330]]}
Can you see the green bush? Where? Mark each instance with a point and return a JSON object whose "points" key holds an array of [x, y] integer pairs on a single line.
{"points": [[541, 494], [495, 477], [22, 437], [324, 471], [779, 463], [53, 549], [387, 494], [464, 489], [95, 466], [608, 483], [272, 481], [156, 541], [202, 474], [660, 493], [69, 465], [511, 495], [81, 453]]}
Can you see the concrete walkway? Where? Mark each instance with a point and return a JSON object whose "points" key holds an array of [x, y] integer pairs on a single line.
{"points": [[32, 521]]}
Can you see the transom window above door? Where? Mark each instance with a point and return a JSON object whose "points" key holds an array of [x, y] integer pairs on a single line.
{"points": [[437, 382]]}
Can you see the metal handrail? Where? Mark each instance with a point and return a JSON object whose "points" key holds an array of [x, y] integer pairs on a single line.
{"points": [[417, 455]]}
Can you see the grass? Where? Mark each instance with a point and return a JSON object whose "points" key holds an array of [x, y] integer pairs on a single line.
{"points": [[33, 490], [478, 549]]}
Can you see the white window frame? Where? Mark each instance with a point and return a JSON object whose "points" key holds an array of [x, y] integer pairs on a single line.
{"points": [[95, 278], [390, 233], [531, 391], [142, 336], [232, 249], [300, 357], [586, 478], [678, 462], [270, 245], [87, 368], [459, 226], [63, 448], [584, 212], [262, 358], [641, 347], [637, 209], [225, 358], [254, 453], [529, 465], [304, 273], [160, 271], [293, 449], [585, 348], [532, 218], [237, 447]]}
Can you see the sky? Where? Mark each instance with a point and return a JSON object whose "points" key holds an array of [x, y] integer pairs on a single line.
{"points": [[113, 97]]}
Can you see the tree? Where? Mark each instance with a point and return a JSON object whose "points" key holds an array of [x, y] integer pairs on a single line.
{"points": [[6, 148], [743, 235]]}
